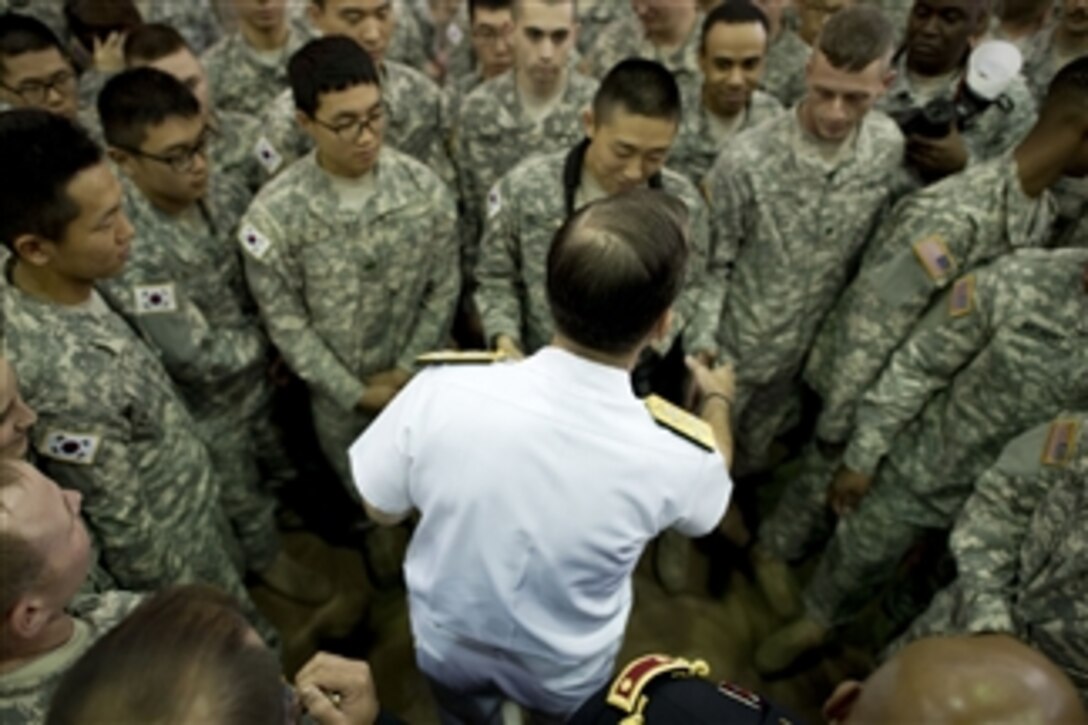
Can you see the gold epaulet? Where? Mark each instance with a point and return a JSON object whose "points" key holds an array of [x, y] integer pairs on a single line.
{"points": [[681, 422], [626, 693], [459, 357], [1061, 442]]}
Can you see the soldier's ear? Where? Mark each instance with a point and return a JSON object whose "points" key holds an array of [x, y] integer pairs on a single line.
{"points": [[838, 707], [588, 122], [28, 617], [122, 159], [32, 249]]}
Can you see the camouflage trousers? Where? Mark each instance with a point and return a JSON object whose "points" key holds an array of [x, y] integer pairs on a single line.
{"points": [[763, 412], [801, 521], [248, 456], [867, 546], [336, 430]]}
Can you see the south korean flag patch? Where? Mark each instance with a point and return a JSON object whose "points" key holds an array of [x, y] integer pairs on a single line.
{"points": [[494, 202], [254, 242], [267, 155], [79, 449], [155, 298]]}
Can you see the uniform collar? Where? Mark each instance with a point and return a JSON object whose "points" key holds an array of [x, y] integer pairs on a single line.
{"points": [[577, 371]]}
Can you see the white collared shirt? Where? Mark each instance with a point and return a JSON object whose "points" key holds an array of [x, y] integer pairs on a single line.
{"points": [[539, 484]]}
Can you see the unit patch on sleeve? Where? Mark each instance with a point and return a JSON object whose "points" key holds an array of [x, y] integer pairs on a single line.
{"points": [[153, 298], [936, 260], [962, 300], [254, 242], [70, 447], [1061, 442]]}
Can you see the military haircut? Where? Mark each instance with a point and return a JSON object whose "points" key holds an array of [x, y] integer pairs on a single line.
{"points": [[21, 34], [40, 153], [21, 565], [152, 42], [184, 655], [640, 87], [615, 267], [1068, 91], [855, 37], [89, 20], [515, 6], [134, 100], [474, 5], [734, 12], [326, 65]]}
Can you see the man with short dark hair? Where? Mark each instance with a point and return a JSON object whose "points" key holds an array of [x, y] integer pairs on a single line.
{"points": [[45, 557], [534, 108], [793, 204], [629, 132], [36, 71], [236, 143], [416, 116], [247, 69], [491, 30], [352, 252], [932, 64], [732, 56], [111, 423], [532, 602]]}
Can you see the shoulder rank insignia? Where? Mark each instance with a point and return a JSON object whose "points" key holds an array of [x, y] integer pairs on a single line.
{"points": [[1061, 442], [936, 260], [70, 447], [962, 299], [681, 422], [459, 357], [627, 691]]}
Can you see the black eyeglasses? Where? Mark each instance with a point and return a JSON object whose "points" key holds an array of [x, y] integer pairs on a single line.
{"points": [[37, 92], [352, 130], [182, 160]]}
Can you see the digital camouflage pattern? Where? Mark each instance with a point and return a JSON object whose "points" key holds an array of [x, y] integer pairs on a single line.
{"points": [[784, 67], [346, 294], [695, 148], [792, 225], [25, 693], [594, 17], [493, 135], [626, 38], [241, 80], [525, 210], [184, 287], [933, 236], [415, 121], [1003, 350], [1019, 550], [1042, 61]]}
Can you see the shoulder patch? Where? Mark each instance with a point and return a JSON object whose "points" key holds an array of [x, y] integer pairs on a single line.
{"points": [[267, 155], [459, 357], [1061, 442], [932, 253], [962, 300], [254, 242], [626, 692], [494, 202], [155, 298], [70, 447], [681, 422]]}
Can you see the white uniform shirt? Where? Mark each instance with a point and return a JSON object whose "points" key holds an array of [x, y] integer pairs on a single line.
{"points": [[539, 485]]}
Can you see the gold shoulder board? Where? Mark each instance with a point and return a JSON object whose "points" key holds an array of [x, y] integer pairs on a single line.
{"points": [[681, 422], [459, 357]]}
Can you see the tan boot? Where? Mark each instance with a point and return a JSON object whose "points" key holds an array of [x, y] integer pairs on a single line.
{"points": [[778, 584], [784, 648], [290, 579]]}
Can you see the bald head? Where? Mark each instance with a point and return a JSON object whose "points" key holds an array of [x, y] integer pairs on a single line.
{"points": [[960, 680]]}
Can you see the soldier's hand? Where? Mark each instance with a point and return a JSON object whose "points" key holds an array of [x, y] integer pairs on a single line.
{"points": [[937, 158], [109, 54], [847, 489], [508, 347], [338, 691], [722, 380], [376, 397], [396, 378]]}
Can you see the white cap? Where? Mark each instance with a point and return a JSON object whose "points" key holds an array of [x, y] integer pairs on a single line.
{"points": [[993, 65]]}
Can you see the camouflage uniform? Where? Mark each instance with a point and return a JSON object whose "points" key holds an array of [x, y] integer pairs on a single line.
{"points": [[525, 210], [795, 224], [240, 151], [346, 294], [1041, 62], [695, 148], [112, 426], [991, 134], [25, 693], [493, 134], [452, 42], [241, 80], [595, 19], [1004, 350], [194, 19], [183, 286], [784, 71], [406, 45], [1019, 548], [415, 121], [625, 38], [458, 88], [967, 219]]}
